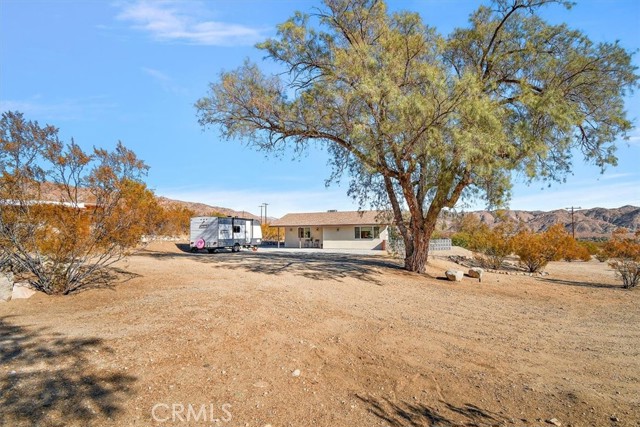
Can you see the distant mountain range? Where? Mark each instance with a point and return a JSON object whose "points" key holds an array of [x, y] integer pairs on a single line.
{"points": [[589, 223], [203, 209], [595, 222]]}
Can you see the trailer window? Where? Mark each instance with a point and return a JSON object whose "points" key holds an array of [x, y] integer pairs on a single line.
{"points": [[236, 228]]}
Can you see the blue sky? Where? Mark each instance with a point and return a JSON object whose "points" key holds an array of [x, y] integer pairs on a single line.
{"points": [[131, 70]]}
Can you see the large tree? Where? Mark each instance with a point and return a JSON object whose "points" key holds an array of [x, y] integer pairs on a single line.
{"points": [[419, 120]]}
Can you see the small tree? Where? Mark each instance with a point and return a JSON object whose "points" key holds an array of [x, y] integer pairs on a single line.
{"points": [[536, 250], [66, 215], [623, 251]]}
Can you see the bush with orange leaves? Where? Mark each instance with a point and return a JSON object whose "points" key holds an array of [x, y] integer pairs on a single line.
{"points": [[172, 220], [270, 233], [576, 251], [66, 215], [491, 246], [536, 250], [623, 251]]}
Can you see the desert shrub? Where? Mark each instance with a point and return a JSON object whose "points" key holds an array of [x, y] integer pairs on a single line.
{"points": [[172, 220], [496, 244], [623, 251], [66, 215], [490, 245], [592, 247], [576, 251], [461, 239], [536, 250], [270, 233]]}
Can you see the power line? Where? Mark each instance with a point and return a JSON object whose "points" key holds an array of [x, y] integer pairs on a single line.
{"points": [[573, 223]]}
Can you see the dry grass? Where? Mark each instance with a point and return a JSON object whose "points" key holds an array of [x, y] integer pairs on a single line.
{"points": [[375, 345]]}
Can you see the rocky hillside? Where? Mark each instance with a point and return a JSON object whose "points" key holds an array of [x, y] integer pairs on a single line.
{"points": [[595, 222], [202, 209], [54, 192]]}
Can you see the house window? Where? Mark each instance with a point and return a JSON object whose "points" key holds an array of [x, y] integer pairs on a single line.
{"points": [[367, 232], [304, 232]]}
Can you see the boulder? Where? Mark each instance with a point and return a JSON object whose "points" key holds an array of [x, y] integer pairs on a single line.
{"points": [[454, 275], [22, 291], [476, 273], [6, 286]]}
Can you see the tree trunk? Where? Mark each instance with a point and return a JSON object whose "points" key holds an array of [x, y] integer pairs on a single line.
{"points": [[416, 255], [417, 251]]}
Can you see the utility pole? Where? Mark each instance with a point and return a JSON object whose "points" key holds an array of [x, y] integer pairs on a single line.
{"points": [[261, 206], [573, 222], [265, 212]]}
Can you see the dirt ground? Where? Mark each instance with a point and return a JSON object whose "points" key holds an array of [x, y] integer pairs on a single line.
{"points": [[317, 339]]}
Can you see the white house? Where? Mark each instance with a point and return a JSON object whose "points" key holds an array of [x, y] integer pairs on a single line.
{"points": [[334, 230]]}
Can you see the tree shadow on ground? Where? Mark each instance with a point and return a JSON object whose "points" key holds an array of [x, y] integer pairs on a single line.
{"points": [[581, 284], [312, 265], [49, 379], [406, 414], [315, 266], [106, 278]]}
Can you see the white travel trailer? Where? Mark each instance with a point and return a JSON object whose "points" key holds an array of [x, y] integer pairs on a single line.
{"points": [[213, 233]]}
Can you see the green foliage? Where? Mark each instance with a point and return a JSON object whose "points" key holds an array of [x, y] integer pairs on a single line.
{"points": [[66, 215], [461, 239], [592, 248], [419, 120]]}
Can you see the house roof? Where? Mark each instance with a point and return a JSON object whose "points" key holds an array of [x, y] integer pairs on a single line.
{"points": [[330, 218]]}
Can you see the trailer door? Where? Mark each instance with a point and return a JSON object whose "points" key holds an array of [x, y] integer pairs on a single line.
{"points": [[225, 229], [239, 231]]}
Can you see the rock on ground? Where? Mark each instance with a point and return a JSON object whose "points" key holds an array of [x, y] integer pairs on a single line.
{"points": [[476, 273], [454, 275], [22, 291], [6, 287]]}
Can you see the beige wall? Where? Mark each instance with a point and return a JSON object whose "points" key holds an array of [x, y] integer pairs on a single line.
{"points": [[336, 237], [291, 239]]}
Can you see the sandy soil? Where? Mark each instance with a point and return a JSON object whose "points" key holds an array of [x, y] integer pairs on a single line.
{"points": [[318, 339]]}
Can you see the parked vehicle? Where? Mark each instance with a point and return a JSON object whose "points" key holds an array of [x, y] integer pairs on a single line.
{"points": [[213, 233]]}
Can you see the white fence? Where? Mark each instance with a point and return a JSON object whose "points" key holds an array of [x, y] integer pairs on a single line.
{"points": [[395, 245], [439, 245]]}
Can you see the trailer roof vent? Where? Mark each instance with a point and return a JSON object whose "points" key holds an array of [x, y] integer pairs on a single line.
{"points": [[332, 210]]}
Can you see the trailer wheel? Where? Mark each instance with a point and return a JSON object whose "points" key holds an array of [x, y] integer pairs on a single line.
{"points": [[236, 248]]}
